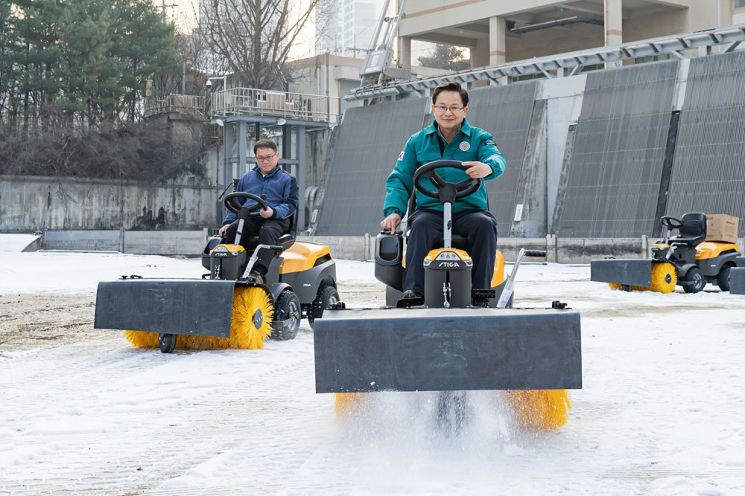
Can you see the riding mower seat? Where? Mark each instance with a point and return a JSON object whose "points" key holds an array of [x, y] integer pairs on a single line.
{"points": [[285, 241], [692, 230]]}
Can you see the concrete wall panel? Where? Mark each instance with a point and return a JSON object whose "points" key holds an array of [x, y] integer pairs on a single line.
{"points": [[365, 151], [30, 203], [709, 170], [613, 179]]}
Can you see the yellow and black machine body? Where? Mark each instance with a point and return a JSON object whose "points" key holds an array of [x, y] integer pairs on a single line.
{"points": [[686, 259], [443, 342], [228, 307]]}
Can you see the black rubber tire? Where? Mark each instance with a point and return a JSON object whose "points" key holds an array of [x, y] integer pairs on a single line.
{"points": [[326, 297], [167, 342], [286, 307], [695, 280], [723, 278], [453, 411]]}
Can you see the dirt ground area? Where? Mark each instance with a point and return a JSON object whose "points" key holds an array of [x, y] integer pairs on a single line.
{"points": [[33, 320], [42, 319]]}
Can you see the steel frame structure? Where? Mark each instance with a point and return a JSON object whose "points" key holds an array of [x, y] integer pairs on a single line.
{"points": [[567, 64]]}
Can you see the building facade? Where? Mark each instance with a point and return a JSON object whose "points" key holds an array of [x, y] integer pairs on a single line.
{"points": [[500, 31]]}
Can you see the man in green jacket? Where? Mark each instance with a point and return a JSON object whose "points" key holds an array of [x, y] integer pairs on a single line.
{"points": [[450, 137]]}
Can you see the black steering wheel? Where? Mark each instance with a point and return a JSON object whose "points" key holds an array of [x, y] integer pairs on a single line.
{"points": [[231, 202], [671, 222], [446, 191]]}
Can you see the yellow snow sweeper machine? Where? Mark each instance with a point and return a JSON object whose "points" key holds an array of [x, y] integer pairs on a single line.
{"points": [[445, 344], [227, 308], [685, 259]]}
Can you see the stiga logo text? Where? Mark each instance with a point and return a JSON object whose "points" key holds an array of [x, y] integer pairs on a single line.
{"points": [[448, 265]]}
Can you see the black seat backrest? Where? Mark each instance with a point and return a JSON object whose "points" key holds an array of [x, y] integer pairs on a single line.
{"points": [[694, 225], [692, 231], [286, 240]]}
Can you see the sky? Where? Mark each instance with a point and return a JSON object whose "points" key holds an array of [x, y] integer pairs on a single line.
{"points": [[659, 414], [182, 12]]}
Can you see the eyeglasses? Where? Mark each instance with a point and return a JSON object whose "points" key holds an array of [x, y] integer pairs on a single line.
{"points": [[441, 109], [268, 158]]}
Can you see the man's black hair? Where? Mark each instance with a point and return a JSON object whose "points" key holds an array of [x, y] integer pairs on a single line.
{"points": [[451, 87], [265, 144]]}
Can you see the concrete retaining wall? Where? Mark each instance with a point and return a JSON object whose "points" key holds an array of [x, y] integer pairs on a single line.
{"points": [[31, 203], [185, 243]]}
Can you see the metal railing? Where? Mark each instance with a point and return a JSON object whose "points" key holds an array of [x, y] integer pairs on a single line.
{"points": [[175, 103], [252, 101]]}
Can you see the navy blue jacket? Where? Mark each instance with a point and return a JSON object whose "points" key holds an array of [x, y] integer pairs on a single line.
{"points": [[279, 187]]}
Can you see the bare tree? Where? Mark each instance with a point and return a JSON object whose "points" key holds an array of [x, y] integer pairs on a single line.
{"points": [[253, 38], [191, 66]]}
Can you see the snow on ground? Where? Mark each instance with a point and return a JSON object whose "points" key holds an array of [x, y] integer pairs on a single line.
{"points": [[15, 242], [660, 412], [74, 272]]}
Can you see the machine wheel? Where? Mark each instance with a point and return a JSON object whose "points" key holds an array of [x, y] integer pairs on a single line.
{"points": [[695, 280], [287, 315], [327, 297], [723, 278], [453, 411], [167, 342]]}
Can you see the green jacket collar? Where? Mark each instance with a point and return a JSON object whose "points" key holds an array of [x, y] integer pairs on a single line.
{"points": [[465, 128]]}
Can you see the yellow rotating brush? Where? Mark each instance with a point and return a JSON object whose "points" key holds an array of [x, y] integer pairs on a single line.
{"points": [[663, 279], [540, 410], [243, 332], [347, 403]]}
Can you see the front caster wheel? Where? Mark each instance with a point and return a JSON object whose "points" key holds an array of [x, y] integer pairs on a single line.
{"points": [[694, 281], [167, 342], [326, 298]]}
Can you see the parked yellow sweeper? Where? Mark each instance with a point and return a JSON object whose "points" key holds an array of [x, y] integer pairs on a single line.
{"points": [[686, 259]]}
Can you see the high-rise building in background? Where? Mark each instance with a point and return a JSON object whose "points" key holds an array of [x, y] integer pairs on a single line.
{"points": [[359, 19], [327, 23], [346, 27]]}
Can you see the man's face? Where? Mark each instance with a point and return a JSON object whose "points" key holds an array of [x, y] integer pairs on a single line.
{"points": [[267, 159], [448, 110]]}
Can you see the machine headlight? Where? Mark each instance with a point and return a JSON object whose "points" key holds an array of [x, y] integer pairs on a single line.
{"points": [[448, 256]]}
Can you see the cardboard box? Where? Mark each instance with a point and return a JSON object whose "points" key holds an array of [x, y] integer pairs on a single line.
{"points": [[721, 227]]}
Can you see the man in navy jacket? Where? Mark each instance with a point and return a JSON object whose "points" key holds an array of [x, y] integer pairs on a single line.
{"points": [[279, 189]]}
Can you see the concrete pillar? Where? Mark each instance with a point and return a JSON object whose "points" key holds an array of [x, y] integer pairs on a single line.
{"points": [[227, 153], [242, 132], [480, 53], [497, 41], [302, 170], [613, 26], [552, 250], [404, 52]]}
